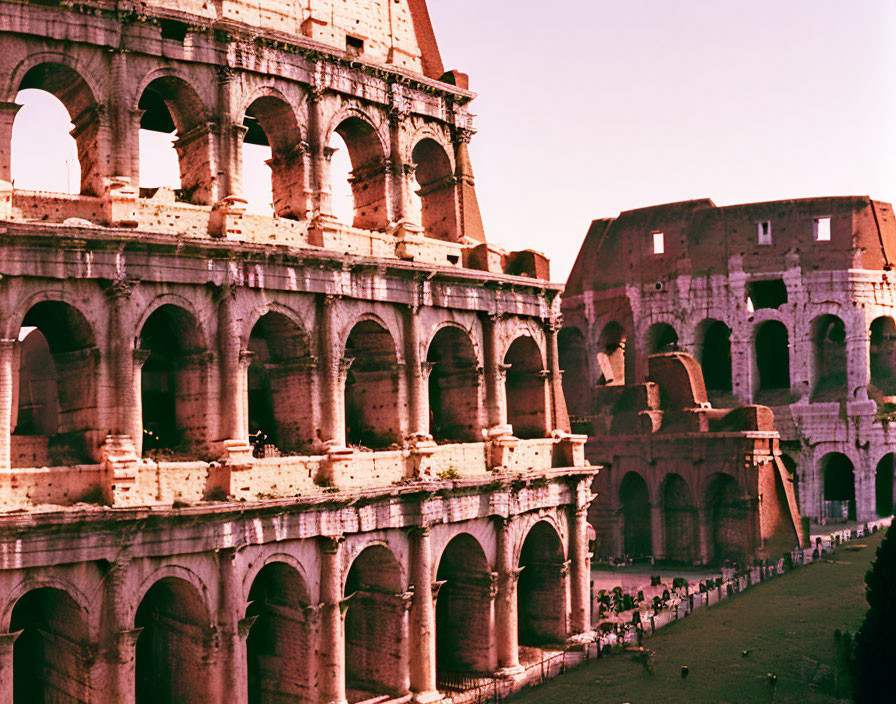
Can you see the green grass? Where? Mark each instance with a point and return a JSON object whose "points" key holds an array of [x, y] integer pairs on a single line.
{"points": [[787, 624]]}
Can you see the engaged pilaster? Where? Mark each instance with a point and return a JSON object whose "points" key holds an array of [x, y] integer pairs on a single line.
{"points": [[423, 619], [332, 644], [507, 612]]}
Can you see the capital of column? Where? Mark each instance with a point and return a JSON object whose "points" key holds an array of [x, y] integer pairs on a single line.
{"points": [[120, 289]]}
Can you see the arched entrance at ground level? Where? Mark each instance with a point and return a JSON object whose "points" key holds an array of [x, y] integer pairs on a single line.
{"points": [[635, 513], [611, 355], [56, 420], [829, 360], [772, 356], [454, 398], [172, 650], [883, 486], [173, 383], [679, 521], [526, 389], [438, 202], [715, 355], [281, 375], [368, 172], [576, 375], [371, 387], [731, 524], [376, 627], [542, 589], [464, 611], [839, 487], [50, 658], [883, 355], [277, 646], [661, 337]]}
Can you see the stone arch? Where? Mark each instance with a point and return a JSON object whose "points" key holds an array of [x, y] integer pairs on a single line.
{"points": [[884, 497], [455, 406], [772, 356], [464, 610], [271, 121], [372, 413], [281, 384], [376, 627], [828, 357], [542, 587], [838, 486], [49, 581], [634, 502], [883, 355], [66, 80], [369, 158], [173, 379], [170, 104], [680, 532], [730, 519], [611, 354], [278, 644], [660, 337], [173, 648], [525, 388], [714, 349], [51, 656], [573, 358], [56, 414], [438, 200]]}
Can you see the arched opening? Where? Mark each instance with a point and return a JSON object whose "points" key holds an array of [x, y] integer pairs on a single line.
{"points": [[56, 421], [173, 384], [172, 650], [376, 627], [883, 355], [730, 520], [772, 356], [542, 588], [371, 387], [611, 355], [715, 355], [464, 612], [525, 389], [281, 378], [58, 109], [679, 521], [661, 337], [50, 657], [175, 131], [455, 412], [273, 166], [635, 513], [576, 375], [368, 173], [883, 486], [829, 361], [438, 204], [280, 666], [839, 500]]}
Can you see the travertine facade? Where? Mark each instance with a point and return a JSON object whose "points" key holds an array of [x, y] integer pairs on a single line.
{"points": [[787, 304], [259, 459]]}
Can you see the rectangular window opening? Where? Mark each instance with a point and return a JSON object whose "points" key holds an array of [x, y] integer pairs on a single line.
{"points": [[659, 244], [354, 45], [822, 228], [172, 29], [764, 231]]}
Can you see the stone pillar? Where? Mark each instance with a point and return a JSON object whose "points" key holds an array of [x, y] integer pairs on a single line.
{"points": [[423, 618], [230, 139], [123, 136], [7, 641], [657, 531], [858, 365], [704, 530], [138, 358], [321, 191], [117, 642], [121, 351], [580, 567], [231, 656], [495, 393], [233, 402], [8, 113], [506, 613], [7, 395], [559, 415], [399, 189], [418, 398], [331, 371], [332, 641]]}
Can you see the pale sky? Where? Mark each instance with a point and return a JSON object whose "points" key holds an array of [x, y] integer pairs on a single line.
{"points": [[589, 108]]}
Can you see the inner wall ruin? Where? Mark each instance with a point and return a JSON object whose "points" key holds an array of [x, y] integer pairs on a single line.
{"points": [[252, 458]]}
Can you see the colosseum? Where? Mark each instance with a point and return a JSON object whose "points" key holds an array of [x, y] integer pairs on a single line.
{"points": [[270, 457]]}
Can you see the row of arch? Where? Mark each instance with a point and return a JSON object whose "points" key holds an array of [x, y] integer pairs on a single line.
{"points": [[712, 347], [59, 357], [173, 650], [269, 138]]}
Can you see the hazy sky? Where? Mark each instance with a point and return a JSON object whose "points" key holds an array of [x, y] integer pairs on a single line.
{"points": [[592, 107]]}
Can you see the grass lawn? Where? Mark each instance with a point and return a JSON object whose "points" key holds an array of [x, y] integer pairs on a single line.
{"points": [[787, 624]]}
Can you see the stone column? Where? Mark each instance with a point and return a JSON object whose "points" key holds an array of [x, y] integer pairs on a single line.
{"points": [[858, 365], [116, 646], [418, 398], [332, 642], [657, 531], [7, 641], [705, 534], [233, 401], [559, 415], [123, 137], [423, 619], [231, 657], [7, 395], [398, 181], [321, 192], [506, 615], [495, 393], [580, 567], [331, 371], [230, 140], [121, 351], [8, 113]]}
